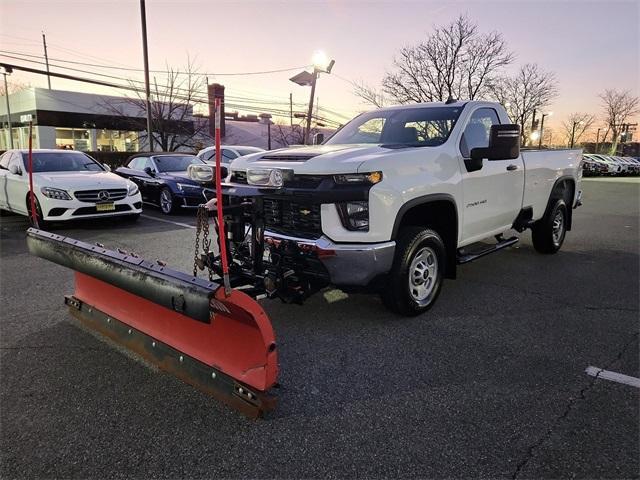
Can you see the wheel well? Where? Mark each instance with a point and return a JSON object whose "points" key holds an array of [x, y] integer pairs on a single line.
{"points": [[564, 189], [441, 216]]}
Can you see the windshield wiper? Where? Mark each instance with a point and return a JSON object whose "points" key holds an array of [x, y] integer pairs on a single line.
{"points": [[405, 145]]}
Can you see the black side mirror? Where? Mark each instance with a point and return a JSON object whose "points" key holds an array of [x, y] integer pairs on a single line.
{"points": [[504, 143], [149, 171]]}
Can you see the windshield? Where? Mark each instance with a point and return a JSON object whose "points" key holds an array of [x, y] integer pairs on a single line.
{"points": [[428, 126], [61, 162], [175, 163]]}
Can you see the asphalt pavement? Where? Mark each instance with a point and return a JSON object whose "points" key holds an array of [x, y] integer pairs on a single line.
{"points": [[490, 383]]}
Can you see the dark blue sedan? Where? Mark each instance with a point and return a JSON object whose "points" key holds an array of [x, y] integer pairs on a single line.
{"points": [[163, 179]]}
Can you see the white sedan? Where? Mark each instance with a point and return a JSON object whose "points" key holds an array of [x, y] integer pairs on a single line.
{"points": [[67, 184]]}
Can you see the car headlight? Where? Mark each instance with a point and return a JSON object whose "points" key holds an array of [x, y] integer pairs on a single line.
{"points": [[132, 189], [358, 178], [188, 187], [55, 193], [354, 215]]}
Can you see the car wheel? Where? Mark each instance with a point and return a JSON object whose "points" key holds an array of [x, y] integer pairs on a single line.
{"points": [[167, 203], [41, 223], [417, 272], [548, 233]]}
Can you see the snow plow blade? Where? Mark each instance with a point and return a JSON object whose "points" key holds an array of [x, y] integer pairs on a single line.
{"points": [[222, 345]]}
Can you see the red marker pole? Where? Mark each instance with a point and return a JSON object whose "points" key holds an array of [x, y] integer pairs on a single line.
{"points": [[223, 238], [32, 196]]}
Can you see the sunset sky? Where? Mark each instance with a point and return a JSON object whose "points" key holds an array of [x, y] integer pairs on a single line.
{"points": [[590, 46]]}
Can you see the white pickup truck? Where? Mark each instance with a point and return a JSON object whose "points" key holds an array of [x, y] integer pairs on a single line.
{"points": [[395, 199]]}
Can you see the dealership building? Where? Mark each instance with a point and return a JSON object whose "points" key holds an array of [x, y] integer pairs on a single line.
{"points": [[74, 120]]}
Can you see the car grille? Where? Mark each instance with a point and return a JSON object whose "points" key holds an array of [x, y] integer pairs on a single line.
{"points": [[292, 218], [93, 196]]}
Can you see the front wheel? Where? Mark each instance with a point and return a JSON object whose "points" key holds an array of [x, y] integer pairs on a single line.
{"points": [[41, 223], [167, 204], [417, 272], [548, 233]]}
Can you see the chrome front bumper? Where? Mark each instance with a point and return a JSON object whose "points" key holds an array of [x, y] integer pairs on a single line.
{"points": [[355, 264]]}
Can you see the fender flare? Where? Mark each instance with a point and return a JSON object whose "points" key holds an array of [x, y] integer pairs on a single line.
{"points": [[452, 245], [558, 181]]}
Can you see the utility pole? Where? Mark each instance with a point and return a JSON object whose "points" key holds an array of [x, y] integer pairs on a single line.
{"points": [[46, 58], [145, 53], [6, 71], [597, 140], [310, 111], [291, 109], [533, 123]]}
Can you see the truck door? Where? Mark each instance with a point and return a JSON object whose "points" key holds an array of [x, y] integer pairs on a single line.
{"points": [[492, 195]]}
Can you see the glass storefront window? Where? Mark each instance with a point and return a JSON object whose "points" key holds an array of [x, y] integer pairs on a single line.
{"points": [[73, 139], [117, 141]]}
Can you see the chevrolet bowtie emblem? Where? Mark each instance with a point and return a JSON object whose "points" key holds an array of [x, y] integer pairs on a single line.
{"points": [[305, 212]]}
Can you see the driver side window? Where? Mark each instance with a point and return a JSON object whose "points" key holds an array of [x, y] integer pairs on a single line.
{"points": [[476, 133]]}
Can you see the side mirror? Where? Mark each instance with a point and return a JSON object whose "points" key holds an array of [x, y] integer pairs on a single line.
{"points": [[149, 171], [504, 144], [14, 169], [106, 167], [318, 138], [474, 163]]}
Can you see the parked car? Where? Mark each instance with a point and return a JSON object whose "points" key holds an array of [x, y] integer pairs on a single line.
{"points": [[593, 167], [67, 185], [163, 180], [635, 165], [227, 155], [613, 168]]}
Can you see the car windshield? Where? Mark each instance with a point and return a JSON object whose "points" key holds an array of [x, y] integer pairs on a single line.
{"points": [[61, 162], [414, 127], [175, 163]]}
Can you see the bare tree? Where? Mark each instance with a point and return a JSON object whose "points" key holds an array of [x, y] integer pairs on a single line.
{"points": [[286, 135], [531, 88], [370, 95], [454, 61], [619, 106], [14, 87], [172, 100], [575, 126]]}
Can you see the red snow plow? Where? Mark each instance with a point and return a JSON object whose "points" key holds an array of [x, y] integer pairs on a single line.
{"points": [[222, 344]]}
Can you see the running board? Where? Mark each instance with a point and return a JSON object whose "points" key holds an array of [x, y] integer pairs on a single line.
{"points": [[470, 257]]}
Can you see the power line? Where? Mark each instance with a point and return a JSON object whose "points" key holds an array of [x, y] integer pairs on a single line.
{"points": [[113, 67]]}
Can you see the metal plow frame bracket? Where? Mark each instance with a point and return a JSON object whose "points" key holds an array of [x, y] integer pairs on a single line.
{"points": [[223, 345]]}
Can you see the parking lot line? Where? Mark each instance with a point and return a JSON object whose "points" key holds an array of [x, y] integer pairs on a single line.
{"points": [[180, 224], [613, 376]]}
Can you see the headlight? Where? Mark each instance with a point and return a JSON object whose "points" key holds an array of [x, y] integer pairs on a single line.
{"points": [[186, 186], [55, 193], [358, 178], [132, 189], [354, 215]]}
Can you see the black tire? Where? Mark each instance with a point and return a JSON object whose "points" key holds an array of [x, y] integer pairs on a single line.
{"points": [[404, 289], [549, 232], [167, 201], [42, 224]]}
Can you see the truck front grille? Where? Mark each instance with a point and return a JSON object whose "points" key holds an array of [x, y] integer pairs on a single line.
{"points": [[95, 196], [292, 218]]}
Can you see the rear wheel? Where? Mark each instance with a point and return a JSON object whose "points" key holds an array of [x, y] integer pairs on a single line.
{"points": [[417, 272], [167, 203], [548, 233]]}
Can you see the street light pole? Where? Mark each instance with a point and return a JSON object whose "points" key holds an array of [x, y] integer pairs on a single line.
{"points": [[597, 141], [573, 132], [541, 129], [46, 58], [310, 112], [6, 72], [145, 53]]}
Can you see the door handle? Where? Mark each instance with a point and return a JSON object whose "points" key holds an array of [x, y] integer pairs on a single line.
{"points": [[512, 167]]}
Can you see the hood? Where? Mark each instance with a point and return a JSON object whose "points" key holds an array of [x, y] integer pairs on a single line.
{"points": [[320, 159], [80, 180]]}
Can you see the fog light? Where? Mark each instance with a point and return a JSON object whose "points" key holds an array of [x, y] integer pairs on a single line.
{"points": [[354, 215]]}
